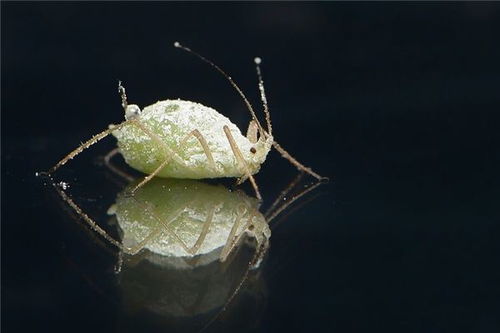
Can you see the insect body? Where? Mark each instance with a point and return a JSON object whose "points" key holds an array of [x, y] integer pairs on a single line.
{"points": [[183, 139], [195, 140]]}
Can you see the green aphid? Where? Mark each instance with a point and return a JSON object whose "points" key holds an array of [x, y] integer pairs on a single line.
{"points": [[184, 139]]}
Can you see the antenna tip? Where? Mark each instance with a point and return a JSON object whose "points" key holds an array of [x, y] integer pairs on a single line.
{"points": [[177, 44], [257, 60]]}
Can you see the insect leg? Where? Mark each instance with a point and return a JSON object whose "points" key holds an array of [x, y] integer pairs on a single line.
{"points": [[96, 138], [296, 163], [206, 227], [107, 162], [204, 145], [169, 154], [241, 160]]}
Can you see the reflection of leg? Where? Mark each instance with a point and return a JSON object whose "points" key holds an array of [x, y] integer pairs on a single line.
{"points": [[284, 193], [107, 162], [170, 154], [160, 227], [270, 216], [149, 177], [241, 161], [119, 264], [230, 239], [204, 232], [96, 138], [296, 163], [233, 239], [93, 225]]}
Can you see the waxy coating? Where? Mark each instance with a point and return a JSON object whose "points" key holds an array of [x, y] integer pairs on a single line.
{"points": [[172, 121]]}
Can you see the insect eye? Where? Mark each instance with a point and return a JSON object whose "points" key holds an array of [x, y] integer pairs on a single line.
{"points": [[253, 150]]}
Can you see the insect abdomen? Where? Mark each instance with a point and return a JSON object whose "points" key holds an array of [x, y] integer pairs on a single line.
{"points": [[169, 124]]}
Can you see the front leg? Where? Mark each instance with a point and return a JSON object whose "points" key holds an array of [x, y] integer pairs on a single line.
{"points": [[242, 162]]}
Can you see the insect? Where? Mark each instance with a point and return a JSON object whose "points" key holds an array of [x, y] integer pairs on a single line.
{"points": [[184, 139]]}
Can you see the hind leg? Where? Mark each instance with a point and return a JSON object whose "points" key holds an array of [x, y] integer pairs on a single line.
{"points": [[169, 154], [116, 170], [204, 144]]}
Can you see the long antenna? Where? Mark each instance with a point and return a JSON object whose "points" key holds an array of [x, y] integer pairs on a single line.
{"points": [[235, 86], [258, 61]]}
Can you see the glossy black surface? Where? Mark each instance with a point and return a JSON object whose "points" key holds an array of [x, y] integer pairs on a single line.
{"points": [[397, 103]]}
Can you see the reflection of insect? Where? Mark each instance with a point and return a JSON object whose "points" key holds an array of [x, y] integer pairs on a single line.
{"points": [[183, 139], [187, 224], [182, 218], [185, 218]]}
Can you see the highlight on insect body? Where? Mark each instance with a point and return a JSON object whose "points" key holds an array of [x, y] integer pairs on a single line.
{"points": [[184, 139]]}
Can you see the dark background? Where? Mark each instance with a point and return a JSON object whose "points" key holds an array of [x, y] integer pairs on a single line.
{"points": [[397, 103]]}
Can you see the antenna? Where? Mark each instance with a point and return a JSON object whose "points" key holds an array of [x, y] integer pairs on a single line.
{"points": [[235, 86], [258, 61]]}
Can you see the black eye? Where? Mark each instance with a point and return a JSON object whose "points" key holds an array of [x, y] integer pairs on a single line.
{"points": [[252, 150], [251, 227]]}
